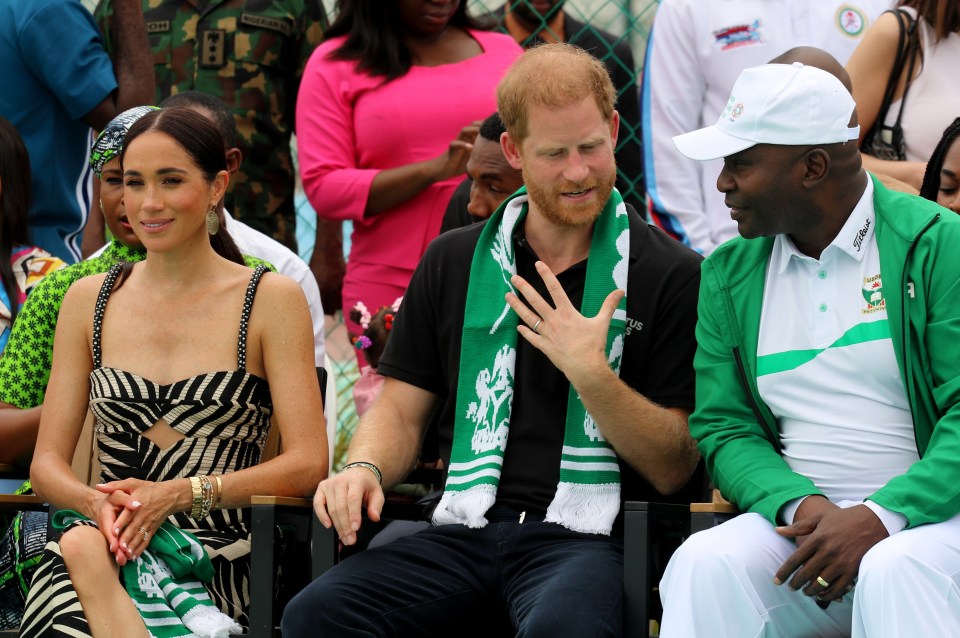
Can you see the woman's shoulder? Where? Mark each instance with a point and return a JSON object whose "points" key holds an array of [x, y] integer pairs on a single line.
{"points": [[277, 290], [886, 28], [91, 284], [82, 294], [322, 60], [496, 42], [335, 72], [325, 48], [323, 55]]}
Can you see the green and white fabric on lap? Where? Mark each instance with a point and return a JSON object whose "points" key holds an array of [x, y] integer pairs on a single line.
{"points": [[166, 584], [588, 494]]}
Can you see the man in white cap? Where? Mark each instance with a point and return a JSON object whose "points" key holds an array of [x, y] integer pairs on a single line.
{"points": [[827, 402]]}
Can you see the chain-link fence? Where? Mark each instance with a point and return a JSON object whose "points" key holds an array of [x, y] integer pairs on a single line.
{"points": [[615, 31], [626, 19]]}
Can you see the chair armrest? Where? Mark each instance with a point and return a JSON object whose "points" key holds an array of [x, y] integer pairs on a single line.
{"points": [[714, 508], [706, 515], [22, 502], [284, 501]]}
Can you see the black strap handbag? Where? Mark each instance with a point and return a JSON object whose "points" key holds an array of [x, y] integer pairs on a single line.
{"points": [[883, 141]]}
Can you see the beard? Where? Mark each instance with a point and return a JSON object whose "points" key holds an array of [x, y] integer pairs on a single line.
{"points": [[550, 200]]}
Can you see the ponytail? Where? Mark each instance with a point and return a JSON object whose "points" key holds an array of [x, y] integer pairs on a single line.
{"points": [[224, 246]]}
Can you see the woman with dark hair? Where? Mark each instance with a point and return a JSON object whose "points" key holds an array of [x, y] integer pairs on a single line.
{"points": [[183, 367], [385, 123], [941, 182], [928, 98], [21, 266]]}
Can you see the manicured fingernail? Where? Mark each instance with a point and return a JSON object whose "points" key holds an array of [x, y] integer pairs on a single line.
{"points": [[116, 530], [124, 543], [777, 581], [135, 503]]}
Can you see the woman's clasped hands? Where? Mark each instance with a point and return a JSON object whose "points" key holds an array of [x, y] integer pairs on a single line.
{"points": [[131, 510]]}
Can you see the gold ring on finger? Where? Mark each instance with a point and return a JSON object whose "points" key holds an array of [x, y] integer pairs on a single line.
{"points": [[144, 532], [822, 582], [536, 326]]}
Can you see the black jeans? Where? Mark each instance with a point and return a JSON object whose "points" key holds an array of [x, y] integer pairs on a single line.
{"points": [[543, 579]]}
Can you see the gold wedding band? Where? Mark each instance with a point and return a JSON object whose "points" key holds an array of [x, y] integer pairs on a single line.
{"points": [[537, 325], [822, 582], [144, 532]]}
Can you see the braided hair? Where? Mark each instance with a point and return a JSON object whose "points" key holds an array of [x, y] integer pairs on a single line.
{"points": [[931, 178]]}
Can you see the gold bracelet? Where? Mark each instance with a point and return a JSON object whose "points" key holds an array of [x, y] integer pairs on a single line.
{"points": [[197, 488], [219, 494]]}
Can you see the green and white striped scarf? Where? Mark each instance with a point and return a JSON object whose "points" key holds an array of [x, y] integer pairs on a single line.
{"points": [[165, 585], [588, 495]]}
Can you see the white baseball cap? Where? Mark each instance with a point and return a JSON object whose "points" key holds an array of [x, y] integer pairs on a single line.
{"points": [[784, 104]]}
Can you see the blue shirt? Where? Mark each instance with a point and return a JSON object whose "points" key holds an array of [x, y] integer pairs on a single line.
{"points": [[55, 71]]}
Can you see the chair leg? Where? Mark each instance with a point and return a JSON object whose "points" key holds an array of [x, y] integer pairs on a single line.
{"points": [[262, 568], [323, 550], [637, 572]]}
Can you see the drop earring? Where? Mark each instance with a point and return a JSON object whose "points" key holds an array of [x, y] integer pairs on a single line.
{"points": [[213, 222]]}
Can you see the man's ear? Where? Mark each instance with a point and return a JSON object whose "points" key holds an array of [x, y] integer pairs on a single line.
{"points": [[816, 167], [615, 128], [234, 157], [511, 151]]}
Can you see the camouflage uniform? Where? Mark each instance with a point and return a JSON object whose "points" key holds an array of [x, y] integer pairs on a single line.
{"points": [[251, 54]]}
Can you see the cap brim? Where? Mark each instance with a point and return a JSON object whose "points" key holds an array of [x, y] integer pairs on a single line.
{"points": [[710, 143]]}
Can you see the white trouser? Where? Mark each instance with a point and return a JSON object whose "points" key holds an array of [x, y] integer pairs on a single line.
{"points": [[719, 584]]}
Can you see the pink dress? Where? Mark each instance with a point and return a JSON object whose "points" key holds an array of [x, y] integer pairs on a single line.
{"points": [[350, 126]]}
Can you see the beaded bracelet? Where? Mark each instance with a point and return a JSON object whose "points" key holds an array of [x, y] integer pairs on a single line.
{"points": [[207, 496], [370, 466]]}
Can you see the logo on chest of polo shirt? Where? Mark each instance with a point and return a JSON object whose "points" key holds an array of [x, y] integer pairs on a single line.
{"points": [[858, 240], [851, 21], [739, 35], [873, 294]]}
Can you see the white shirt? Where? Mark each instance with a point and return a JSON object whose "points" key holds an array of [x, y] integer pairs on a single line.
{"points": [[696, 51], [931, 104], [826, 366], [256, 244]]}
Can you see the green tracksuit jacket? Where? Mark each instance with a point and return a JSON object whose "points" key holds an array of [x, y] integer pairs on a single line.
{"points": [[919, 244]]}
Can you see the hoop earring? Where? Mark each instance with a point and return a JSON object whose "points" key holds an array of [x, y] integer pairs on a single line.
{"points": [[213, 222]]}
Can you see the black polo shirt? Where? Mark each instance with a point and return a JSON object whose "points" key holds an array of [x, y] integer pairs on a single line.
{"points": [[424, 350]]}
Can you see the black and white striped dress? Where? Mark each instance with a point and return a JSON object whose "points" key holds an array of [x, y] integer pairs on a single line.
{"points": [[224, 417]]}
